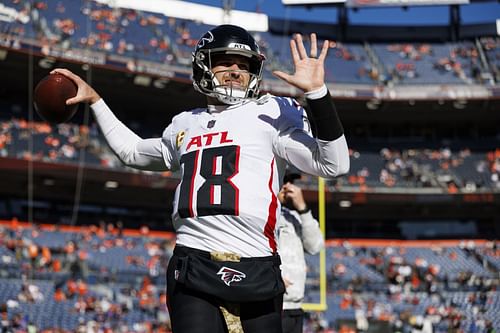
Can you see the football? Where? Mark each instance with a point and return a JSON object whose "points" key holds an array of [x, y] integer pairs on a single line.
{"points": [[50, 98]]}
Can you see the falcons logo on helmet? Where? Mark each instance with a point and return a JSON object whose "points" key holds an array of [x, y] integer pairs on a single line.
{"points": [[229, 275], [207, 38]]}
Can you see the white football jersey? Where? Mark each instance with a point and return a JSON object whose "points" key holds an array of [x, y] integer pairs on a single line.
{"points": [[232, 164]]}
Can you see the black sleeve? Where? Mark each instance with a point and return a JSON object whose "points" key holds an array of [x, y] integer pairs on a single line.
{"points": [[325, 118]]}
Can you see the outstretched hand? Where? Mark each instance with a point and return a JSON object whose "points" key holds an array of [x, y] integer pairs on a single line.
{"points": [[309, 70], [85, 93]]}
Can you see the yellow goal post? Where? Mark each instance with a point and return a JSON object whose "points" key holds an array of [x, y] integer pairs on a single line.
{"points": [[321, 305]]}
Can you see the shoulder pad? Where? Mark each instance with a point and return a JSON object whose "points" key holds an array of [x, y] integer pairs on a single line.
{"points": [[264, 99]]}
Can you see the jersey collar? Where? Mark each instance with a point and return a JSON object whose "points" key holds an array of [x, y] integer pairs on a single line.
{"points": [[220, 108]]}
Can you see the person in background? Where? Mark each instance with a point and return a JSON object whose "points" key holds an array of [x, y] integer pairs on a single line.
{"points": [[298, 233]]}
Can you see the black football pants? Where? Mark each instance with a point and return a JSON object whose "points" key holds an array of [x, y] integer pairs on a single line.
{"points": [[195, 312], [293, 320]]}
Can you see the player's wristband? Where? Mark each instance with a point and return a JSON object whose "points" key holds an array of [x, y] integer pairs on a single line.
{"points": [[326, 119], [304, 211]]}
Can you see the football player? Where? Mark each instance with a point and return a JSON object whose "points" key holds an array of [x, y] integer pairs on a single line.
{"points": [[224, 274]]}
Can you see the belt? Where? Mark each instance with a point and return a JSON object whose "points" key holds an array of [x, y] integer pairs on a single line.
{"points": [[180, 250]]}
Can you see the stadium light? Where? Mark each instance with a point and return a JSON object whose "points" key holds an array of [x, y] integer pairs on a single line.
{"points": [[373, 104], [345, 203], [47, 62], [111, 185], [142, 80], [49, 182], [161, 83], [460, 104]]}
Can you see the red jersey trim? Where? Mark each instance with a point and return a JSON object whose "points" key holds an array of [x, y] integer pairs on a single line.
{"points": [[271, 217]]}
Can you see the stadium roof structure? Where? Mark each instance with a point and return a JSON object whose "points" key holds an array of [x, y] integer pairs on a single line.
{"points": [[200, 13], [157, 72], [377, 3]]}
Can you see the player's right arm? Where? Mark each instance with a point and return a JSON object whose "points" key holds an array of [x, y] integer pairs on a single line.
{"points": [[132, 150]]}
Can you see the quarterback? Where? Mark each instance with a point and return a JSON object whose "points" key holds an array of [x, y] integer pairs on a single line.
{"points": [[224, 275]]}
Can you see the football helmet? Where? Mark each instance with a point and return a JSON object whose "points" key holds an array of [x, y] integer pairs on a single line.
{"points": [[226, 39]]}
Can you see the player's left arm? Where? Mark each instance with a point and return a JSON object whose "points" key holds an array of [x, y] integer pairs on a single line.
{"points": [[328, 155], [309, 77], [309, 72]]}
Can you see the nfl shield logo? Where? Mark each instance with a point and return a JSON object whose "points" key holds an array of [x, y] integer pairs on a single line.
{"points": [[211, 123]]}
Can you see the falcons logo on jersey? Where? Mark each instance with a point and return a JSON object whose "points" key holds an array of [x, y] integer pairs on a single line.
{"points": [[229, 275]]}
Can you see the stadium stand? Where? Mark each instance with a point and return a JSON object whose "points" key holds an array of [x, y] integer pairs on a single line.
{"points": [[95, 276], [139, 35], [415, 167], [111, 278]]}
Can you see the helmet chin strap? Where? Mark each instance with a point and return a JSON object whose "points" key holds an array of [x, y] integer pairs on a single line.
{"points": [[228, 94]]}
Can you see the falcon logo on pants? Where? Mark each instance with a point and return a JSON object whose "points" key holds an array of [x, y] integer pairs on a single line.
{"points": [[229, 275]]}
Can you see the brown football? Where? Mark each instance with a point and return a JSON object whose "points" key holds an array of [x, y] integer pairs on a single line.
{"points": [[50, 98]]}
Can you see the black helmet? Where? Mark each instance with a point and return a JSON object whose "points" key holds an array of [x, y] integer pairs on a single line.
{"points": [[226, 39]]}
